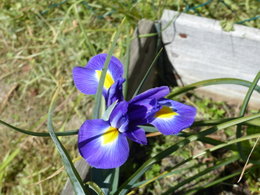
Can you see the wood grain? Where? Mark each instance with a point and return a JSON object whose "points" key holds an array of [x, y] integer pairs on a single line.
{"points": [[199, 49]]}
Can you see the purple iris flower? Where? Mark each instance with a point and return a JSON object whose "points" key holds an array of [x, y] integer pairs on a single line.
{"points": [[86, 78], [104, 143]]}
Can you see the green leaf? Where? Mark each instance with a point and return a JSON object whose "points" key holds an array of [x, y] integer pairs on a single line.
{"points": [[202, 173], [247, 146], [238, 140], [242, 113], [38, 134], [255, 122], [96, 111], [108, 111], [147, 73], [6, 161], [178, 91], [217, 165], [252, 87], [105, 178], [149, 129], [126, 63], [115, 180], [69, 167], [218, 181], [134, 177], [207, 140], [88, 43], [95, 187]]}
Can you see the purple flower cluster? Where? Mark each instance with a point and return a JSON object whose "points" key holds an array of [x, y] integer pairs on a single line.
{"points": [[103, 144]]}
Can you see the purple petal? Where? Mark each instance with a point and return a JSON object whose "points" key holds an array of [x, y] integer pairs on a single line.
{"points": [[143, 106], [154, 93], [118, 117], [85, 80], [142, 112], [115, 67], [173, 117], [115, 92], [98, 150], [137, 135]]}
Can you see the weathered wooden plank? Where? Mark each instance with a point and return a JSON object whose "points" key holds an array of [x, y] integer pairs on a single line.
{"points": [[142, 53], [199, 49]]}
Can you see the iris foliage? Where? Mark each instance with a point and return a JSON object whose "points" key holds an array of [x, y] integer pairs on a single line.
{"points": [[136, 180], [150, 106]]}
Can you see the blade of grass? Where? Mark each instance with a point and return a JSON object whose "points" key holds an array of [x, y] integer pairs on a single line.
{"points": [[198, 175], [231, 159], [147, 73], [104, 178], [98, 96], [134, 177], [95, 187], [126, 65], [173, 189], [75, 179], [218, 181], [255, 122], [228, 143], [88, 43], [193, 86], [5, 162], [108, 111], [242, 113], [39, 134], [115, 181], [208, 140], [165, 174], [8, 158], [247, 160]]}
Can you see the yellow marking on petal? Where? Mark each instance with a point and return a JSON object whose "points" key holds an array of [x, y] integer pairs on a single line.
{"points": [[108, 79], [110, 135], [165, 112]]}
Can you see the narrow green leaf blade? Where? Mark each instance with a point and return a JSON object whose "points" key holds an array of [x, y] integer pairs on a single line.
{"points": [[95, 187], [38, 134], [108, 111], [115, 180], [255, 122], [126, 63], [242, 113], [96, 111], [220, 180], [103, 178], [147, 73], [193, 86], [201, 173], [134, 177], [69, 167], [6, 162]]}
